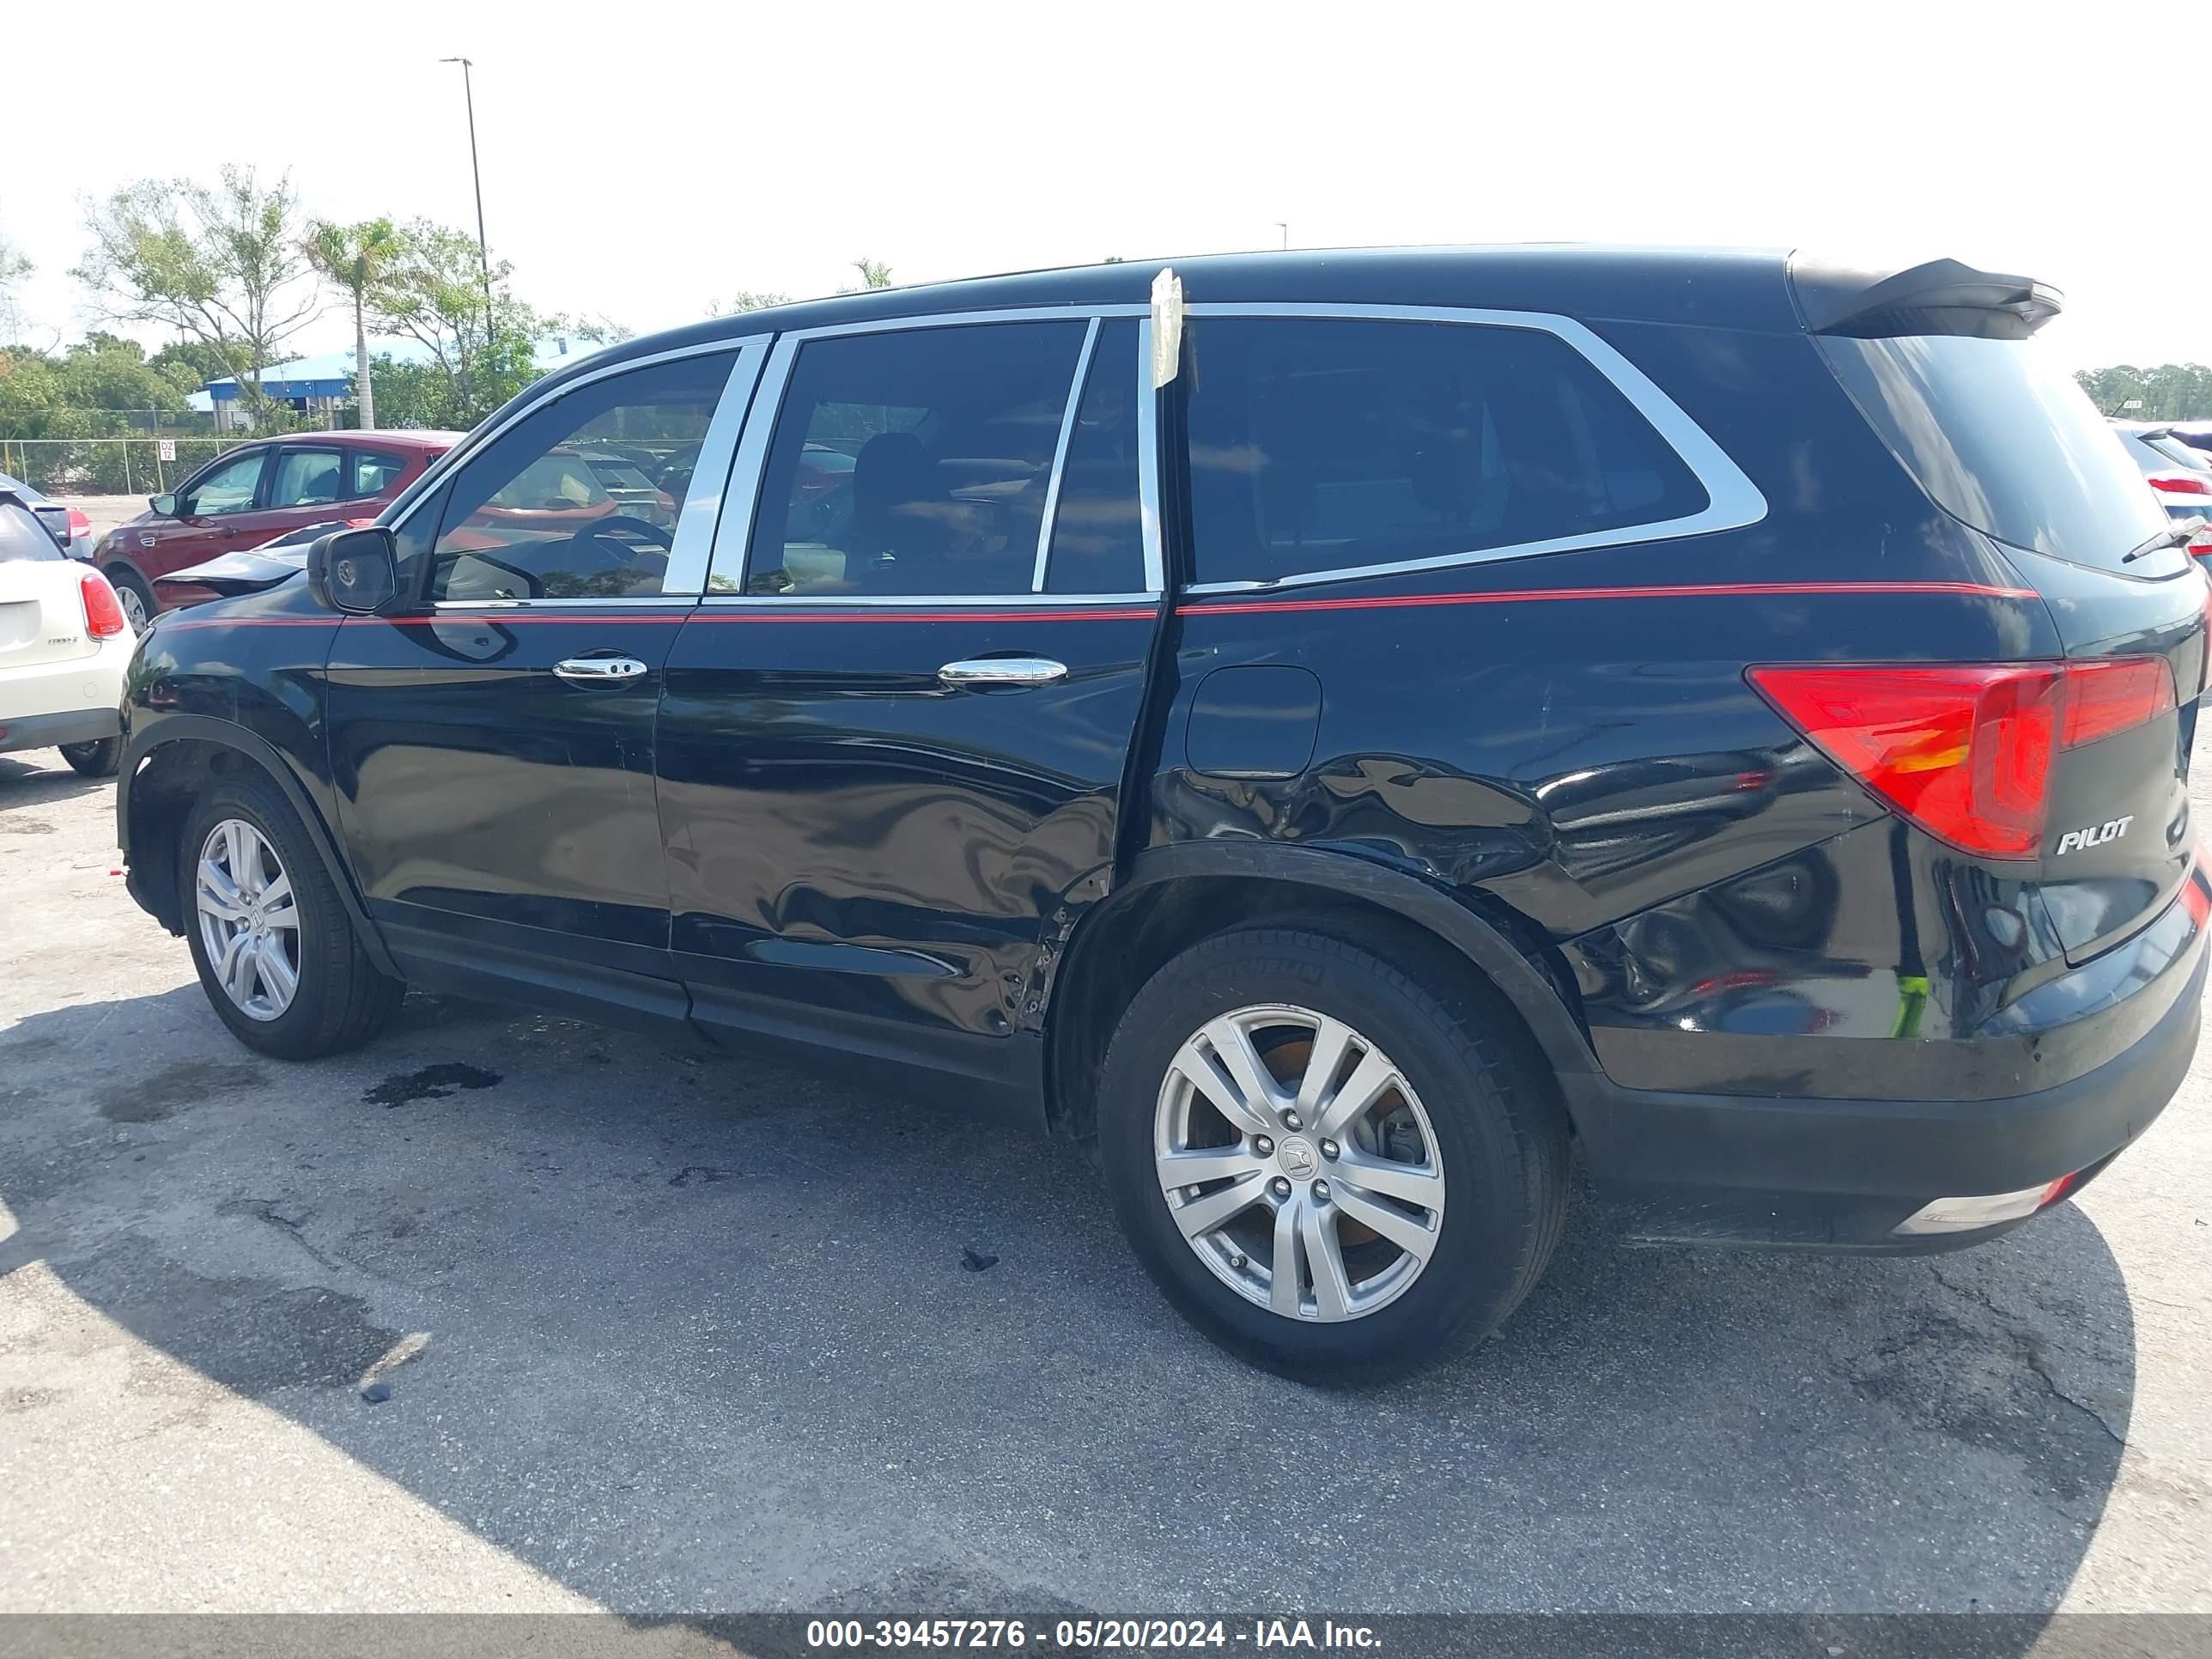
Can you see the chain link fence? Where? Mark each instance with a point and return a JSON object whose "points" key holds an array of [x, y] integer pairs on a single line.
{"points": [[111, 466]]}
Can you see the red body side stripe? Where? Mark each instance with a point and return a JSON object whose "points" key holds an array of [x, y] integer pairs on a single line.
{"points": [[1549, 595], [949, 613]]}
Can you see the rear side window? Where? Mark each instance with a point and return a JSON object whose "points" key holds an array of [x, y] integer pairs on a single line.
{"points": [[914, 462], [1098, 525], [22, 537], [307, 478], [2003, 438], [1323, 444], [375, 475]]}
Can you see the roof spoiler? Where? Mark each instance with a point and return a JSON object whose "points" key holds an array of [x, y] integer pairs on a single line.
{"points": [[1940, 297]]}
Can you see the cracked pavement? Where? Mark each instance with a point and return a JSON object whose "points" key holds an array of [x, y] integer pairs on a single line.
{"points": [[706, 1334]]}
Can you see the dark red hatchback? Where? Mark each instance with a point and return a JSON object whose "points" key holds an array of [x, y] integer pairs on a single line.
{"points": [[247, 496]]}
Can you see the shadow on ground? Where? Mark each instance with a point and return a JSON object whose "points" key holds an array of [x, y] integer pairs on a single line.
{"points": [[703, 1337], [39, 778]]}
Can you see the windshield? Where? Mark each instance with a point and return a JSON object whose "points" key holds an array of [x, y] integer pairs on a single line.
{"points": [[2001, 437]]}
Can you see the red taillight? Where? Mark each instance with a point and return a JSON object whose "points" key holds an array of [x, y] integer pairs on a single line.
{"points": [[103, 617], [1965, 750], [2196, 897], [2105, 697], [78, 524], [2181, 484], [2200, 544]]}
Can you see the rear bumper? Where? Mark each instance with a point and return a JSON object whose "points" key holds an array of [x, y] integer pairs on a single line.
{"points": [[1839, 1174], [51, 731]]}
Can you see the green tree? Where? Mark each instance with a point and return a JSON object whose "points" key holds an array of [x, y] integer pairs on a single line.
{"points": [[188, 363], [102, 387], [14, 267], [431, 292], [747, 300], [874, 273], [2170, 391], [108, 372], [353, 259], [220, 263]]}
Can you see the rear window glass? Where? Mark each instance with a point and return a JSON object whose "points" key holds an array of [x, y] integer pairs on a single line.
{"points": [[2194, 460], [1323, 444], [2000, 436], [22, 537]]}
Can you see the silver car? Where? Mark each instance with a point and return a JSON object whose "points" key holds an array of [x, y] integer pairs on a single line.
{"points": [[68, 525], [2180, 476]]}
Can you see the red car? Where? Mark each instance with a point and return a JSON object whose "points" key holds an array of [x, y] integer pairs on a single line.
{"points": [[247, 496]]}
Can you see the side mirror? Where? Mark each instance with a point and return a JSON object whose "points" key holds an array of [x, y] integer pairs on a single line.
{"points": [[355, 571], [165, 507], [55, 519]]}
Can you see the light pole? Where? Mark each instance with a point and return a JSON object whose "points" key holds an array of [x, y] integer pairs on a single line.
{"points": [[484, 253], [1284, 226]]}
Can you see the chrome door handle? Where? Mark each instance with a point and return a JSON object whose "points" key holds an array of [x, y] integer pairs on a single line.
{"points": [[599, 671], [1003, 670]]}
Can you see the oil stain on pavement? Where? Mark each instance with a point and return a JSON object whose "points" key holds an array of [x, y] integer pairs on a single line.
{"points": [[431, 1083]]}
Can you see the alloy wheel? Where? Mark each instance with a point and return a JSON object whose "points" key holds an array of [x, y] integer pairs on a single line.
{"points": [[249, 920], [134, 608], [1298, 1164]]}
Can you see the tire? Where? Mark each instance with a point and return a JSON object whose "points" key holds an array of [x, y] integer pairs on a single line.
{"points": [[133, 595], [338, 999], [1470, 1106], [100, 758]]}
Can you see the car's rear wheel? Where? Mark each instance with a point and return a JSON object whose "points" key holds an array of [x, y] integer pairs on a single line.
{"points": [[133, 595], [276, 951], [96, 759], [1341, 1168]]}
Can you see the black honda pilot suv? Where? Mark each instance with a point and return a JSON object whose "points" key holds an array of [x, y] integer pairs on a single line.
{"points": [[1340, 730]]}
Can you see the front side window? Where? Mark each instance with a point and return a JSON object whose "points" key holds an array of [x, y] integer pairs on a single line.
{"points": [[1320, 444], [913, 462], [534, 516], [229, 488], [307, 478]]}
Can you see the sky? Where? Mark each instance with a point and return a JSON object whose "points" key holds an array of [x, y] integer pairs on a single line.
{"points": [[641, 162]]}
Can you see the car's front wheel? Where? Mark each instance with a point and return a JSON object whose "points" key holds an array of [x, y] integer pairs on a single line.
{"points": [[132, 594], [276, 951], [1337, 1166]]}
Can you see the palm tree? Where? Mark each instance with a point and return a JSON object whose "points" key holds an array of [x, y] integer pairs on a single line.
{"points": [[353, 258]]}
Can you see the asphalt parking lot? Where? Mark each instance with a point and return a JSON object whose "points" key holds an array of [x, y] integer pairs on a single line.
{"points": [[709, 1334]]}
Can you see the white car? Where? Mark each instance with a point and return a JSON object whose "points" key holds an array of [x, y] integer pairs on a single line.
{"points": [[65, 648]]}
